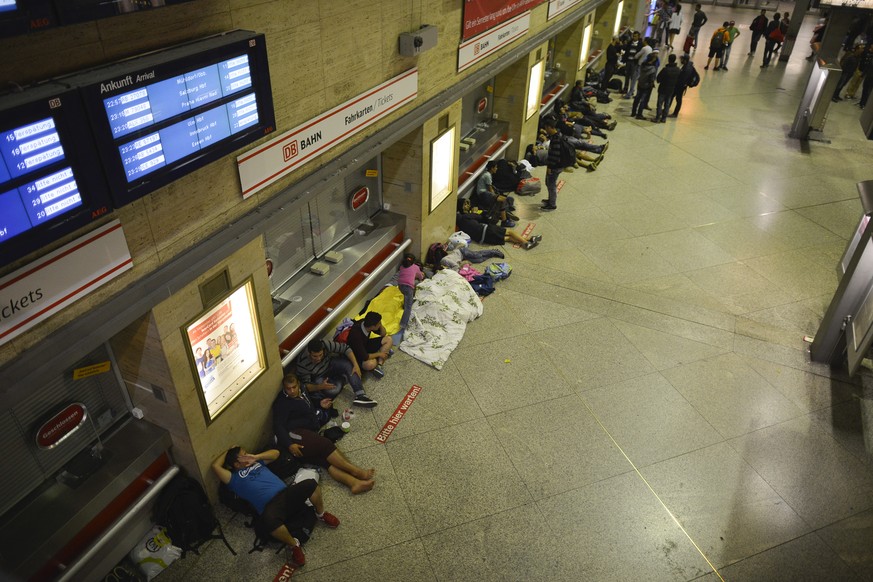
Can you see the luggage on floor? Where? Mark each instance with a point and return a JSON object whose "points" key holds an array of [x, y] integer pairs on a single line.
{"points": [[529, 187]]}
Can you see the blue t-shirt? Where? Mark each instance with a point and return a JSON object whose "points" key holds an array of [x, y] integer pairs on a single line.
{"points": [[256, 484]]}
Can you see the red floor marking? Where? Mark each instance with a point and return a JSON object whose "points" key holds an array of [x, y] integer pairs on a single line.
{"points": [[525, 233], [398, 414], [560, 185], [285, 573]]}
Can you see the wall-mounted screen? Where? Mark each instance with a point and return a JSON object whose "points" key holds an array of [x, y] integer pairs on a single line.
{"points": [[71, 11], [23, 16], [164, 115], [8, 5], [50, 179]]}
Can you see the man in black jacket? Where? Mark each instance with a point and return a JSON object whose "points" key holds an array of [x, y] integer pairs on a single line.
{"points": [[758, 28], [554, 164], [668, 78], [697, 22], [686, 73], [296, 423], [612, 54]]}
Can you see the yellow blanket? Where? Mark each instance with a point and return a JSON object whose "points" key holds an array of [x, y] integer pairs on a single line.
{"points": [[389, 302]]}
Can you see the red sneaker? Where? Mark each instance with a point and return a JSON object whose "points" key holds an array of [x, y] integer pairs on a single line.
{"points": [[329, 519], [297, 557]]}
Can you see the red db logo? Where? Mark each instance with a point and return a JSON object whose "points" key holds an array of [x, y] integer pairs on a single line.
{"points": [[290, 150]]}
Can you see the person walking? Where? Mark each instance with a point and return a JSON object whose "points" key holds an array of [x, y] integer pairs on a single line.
{"points": [[667, 79], [688, 77], [675, 24], [758, 28], [772, 35], [733, 33], [697, 23]]}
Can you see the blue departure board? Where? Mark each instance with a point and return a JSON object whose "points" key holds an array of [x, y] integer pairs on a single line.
{"points": [[146, 106], [33, 152], [8, 5], [167, 113], [51, 181]]}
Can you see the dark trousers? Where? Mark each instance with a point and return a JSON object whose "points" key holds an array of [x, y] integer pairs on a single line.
{"points": [[608, 72], [677, 97], [640, 101], [769, 48], [665, 98], [845, 77], [552, 185], [756, 36]]}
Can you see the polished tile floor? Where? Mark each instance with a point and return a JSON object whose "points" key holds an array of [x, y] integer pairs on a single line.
{"points": [[636, 402]]}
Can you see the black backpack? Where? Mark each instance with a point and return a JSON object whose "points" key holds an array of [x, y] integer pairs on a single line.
{"points": [[184, 510], [694, 79], [568, 152]]}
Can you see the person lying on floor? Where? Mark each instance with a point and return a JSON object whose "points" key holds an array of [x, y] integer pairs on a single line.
{"points": [[582, 127], [591, 116], [277, 504], [491, 234], [537, 155]]}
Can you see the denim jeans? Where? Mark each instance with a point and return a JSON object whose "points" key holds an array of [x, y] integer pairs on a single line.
{"points": [[339, 372], [665, 99], [408, 294], [552, 185], [480, 256]]}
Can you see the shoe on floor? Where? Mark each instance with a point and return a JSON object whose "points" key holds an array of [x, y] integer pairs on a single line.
{"points": [[329, 519], [297, 557], [531, 244], [536, 237], [509, 223], [673, 115], [724, 69], [510, 216], [611, 125], [640, 117], [548, 207], [364, 401], [379, 372], [391, 350]]}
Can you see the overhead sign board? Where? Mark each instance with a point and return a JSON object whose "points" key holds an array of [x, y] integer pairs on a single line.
{"points": [[278, 157], [474, 50]]}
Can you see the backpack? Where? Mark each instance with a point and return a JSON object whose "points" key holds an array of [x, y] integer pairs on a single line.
{"points": [[568, 152], [435, 254], [183, 509], [717, 41], [482, 285], [499, 271], [694, 79]]}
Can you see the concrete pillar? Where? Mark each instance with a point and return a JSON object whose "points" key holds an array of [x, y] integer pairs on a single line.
{"points": [[510, 96], [793, 28], [406, 178], [152, 354], [568, 48]]}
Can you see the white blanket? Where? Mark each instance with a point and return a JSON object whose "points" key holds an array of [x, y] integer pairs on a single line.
{"points": [[443, 305]]}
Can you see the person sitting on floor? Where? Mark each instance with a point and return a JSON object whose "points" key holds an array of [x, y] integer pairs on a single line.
{"points": [[324, 372], [490, 234], [489, 200], [371, 352], [296, 422], [277, 504]]}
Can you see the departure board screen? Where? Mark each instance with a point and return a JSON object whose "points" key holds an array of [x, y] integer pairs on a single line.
{"points": [[165, 115], [28, 151], [8, 5], [51, 182]]}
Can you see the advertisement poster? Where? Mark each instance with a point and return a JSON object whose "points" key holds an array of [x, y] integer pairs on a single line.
{"points": [[225, 346], [480, 15]]}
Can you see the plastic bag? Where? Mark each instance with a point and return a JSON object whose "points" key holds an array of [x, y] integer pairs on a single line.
{"points": [[154, 553], [459, 239]]}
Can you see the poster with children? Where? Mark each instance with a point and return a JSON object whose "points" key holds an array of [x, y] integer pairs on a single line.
{"points": [[225, 343]]}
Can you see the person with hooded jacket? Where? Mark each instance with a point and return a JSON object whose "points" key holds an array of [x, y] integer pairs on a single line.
{"points": [[687, 73], [646, 83]]}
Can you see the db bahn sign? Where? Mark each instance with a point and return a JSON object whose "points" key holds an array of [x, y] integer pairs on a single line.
{"points": [[61, 425]]}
